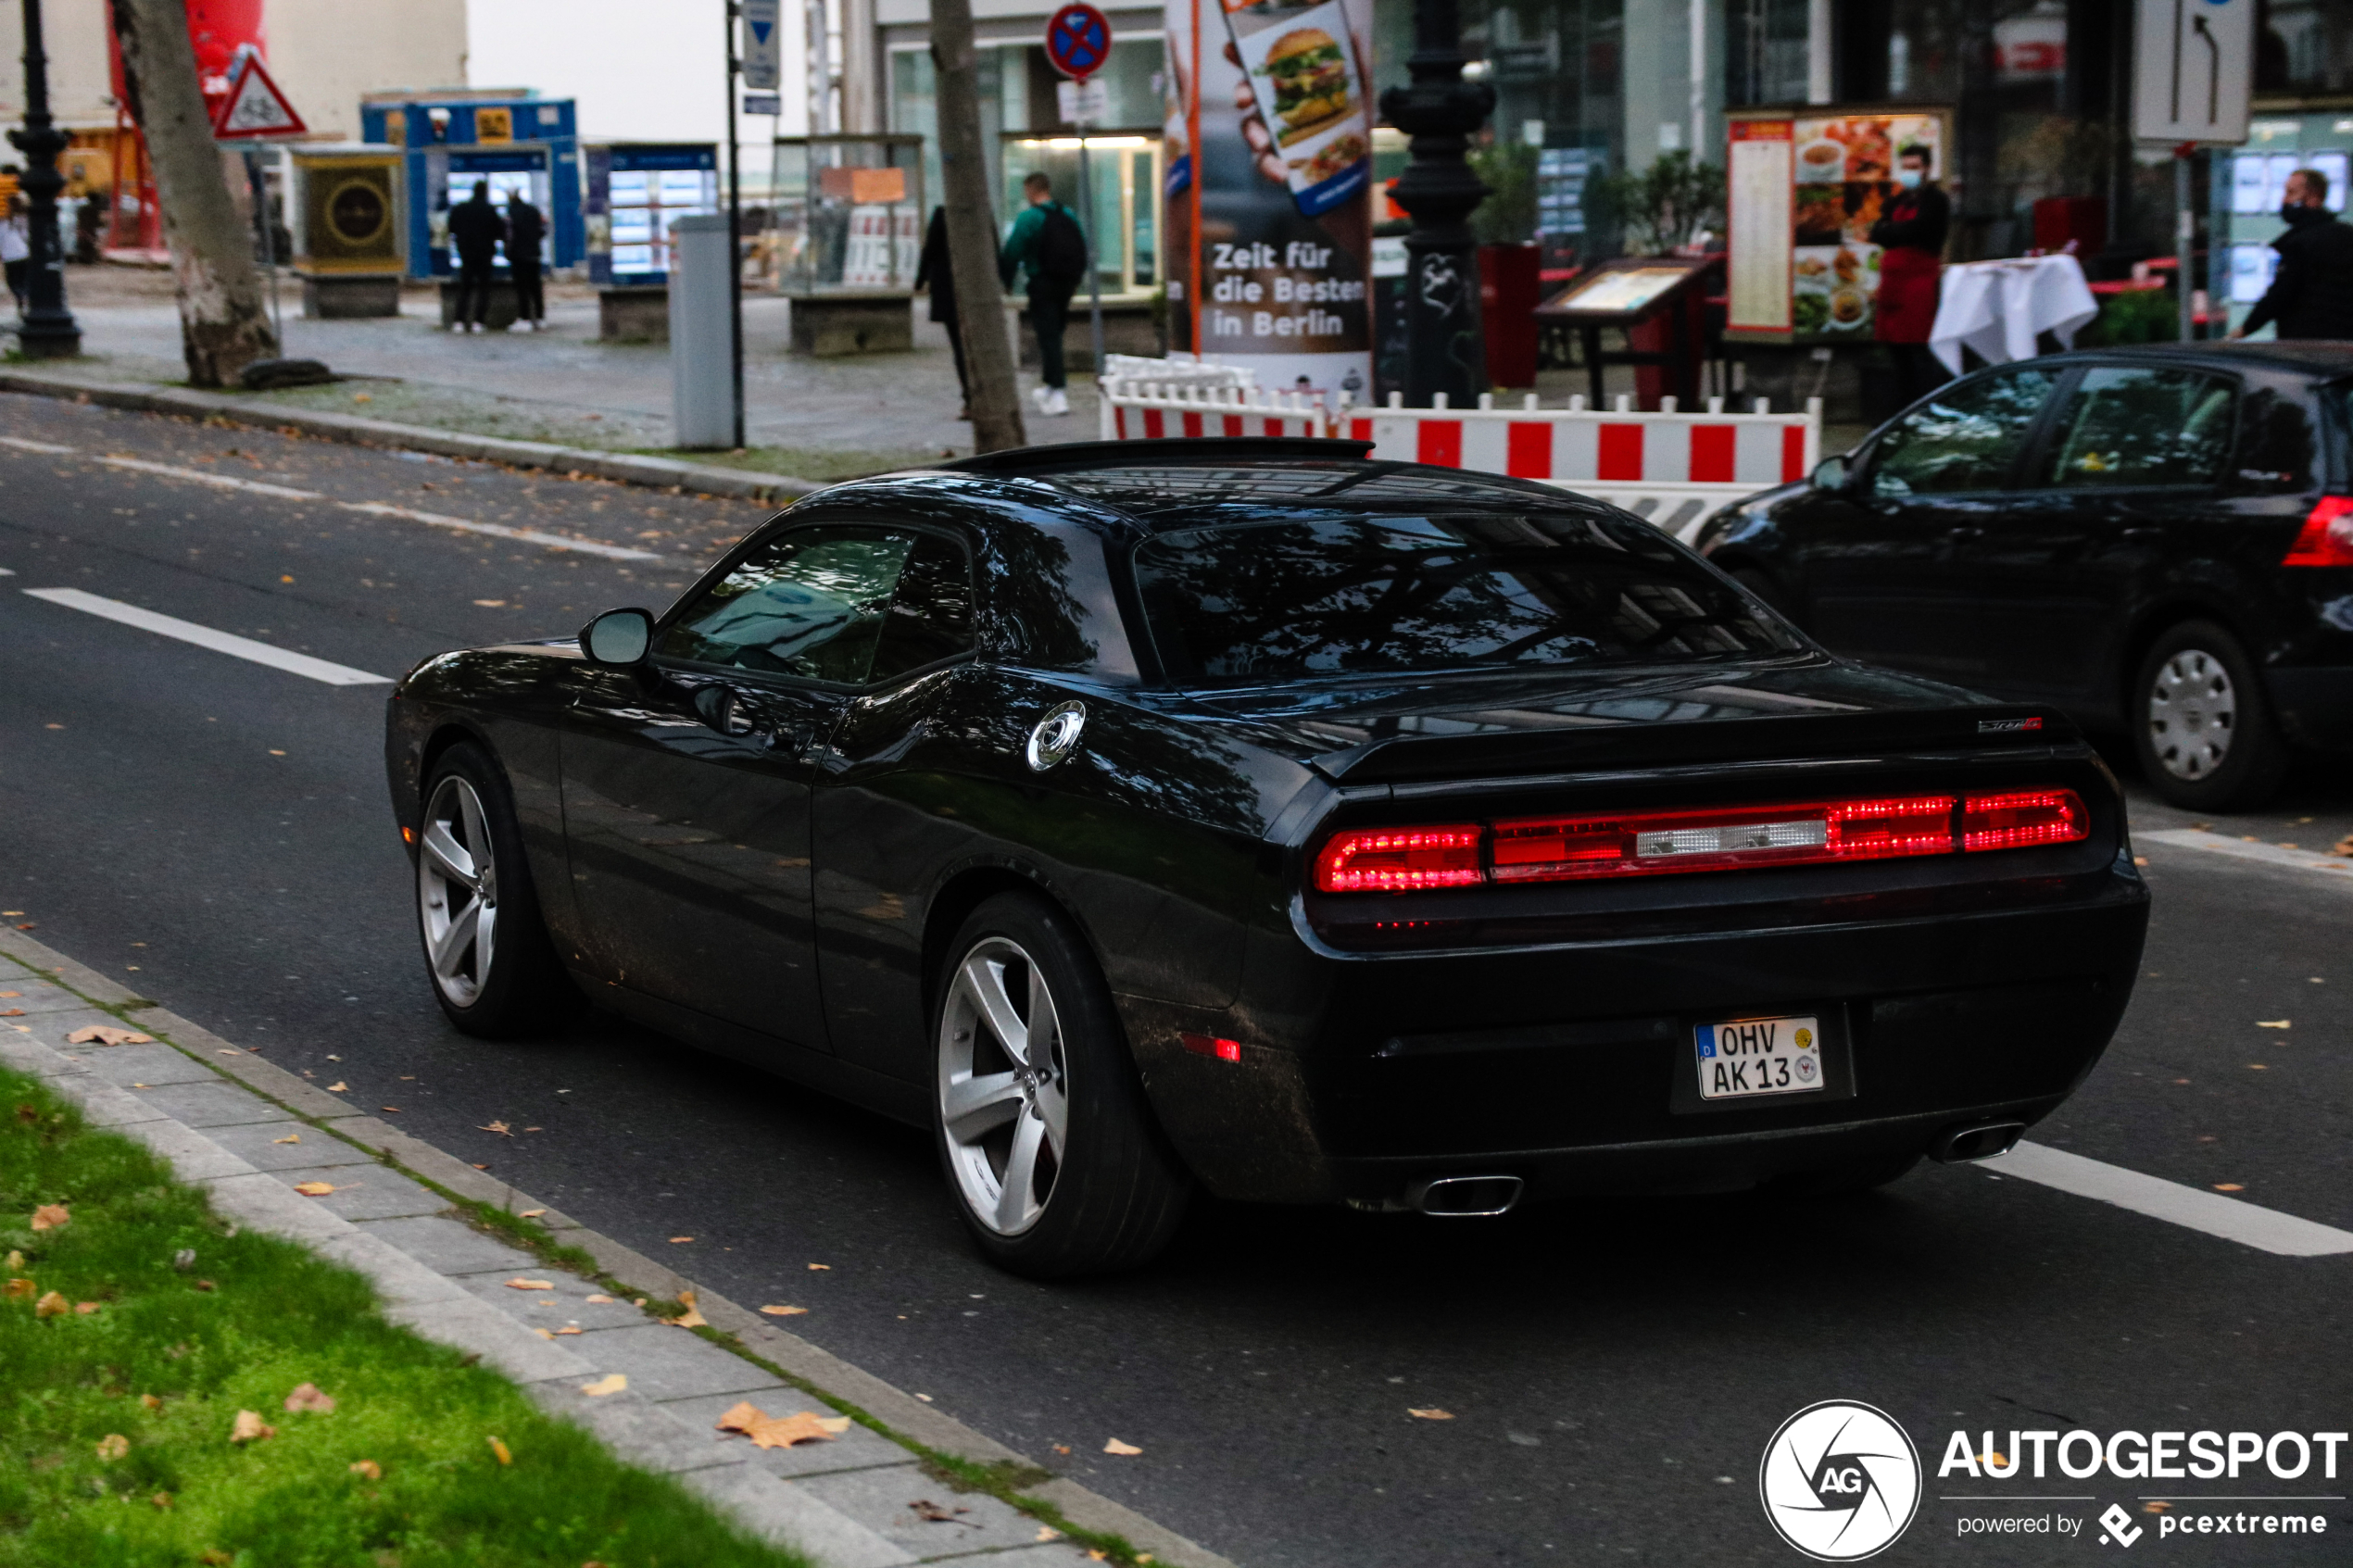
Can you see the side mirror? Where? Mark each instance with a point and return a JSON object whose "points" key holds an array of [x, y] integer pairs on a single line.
{"points": [[1832, 473], [619, 639]]}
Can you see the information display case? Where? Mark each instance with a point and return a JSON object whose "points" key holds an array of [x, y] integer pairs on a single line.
{"points": [[635, 192], [849, 214]]}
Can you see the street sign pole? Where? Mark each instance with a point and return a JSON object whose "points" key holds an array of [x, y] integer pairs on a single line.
{"points": [[1079, 42], [2192, 74], [735, 240]]}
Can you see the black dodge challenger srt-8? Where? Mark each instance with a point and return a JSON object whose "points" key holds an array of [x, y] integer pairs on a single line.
{"points": [[1255, 814]]}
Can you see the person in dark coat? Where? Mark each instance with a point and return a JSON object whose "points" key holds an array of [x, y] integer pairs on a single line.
{"points": [[1911, 237], [934, 273], [475, 230], [525, 228], [2311, 294]]}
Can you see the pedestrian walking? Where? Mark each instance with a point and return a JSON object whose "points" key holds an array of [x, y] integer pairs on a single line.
{"points": [[2312, 292], [1911, 237], [933, 274], [1047, 241], [475, 230], [16, 247], [526, 227]]}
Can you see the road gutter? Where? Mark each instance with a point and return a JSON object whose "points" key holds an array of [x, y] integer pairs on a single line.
{"points": [[969, 1459]]}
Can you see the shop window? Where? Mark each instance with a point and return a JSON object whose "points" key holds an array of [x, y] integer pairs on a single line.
{"points": [[2303, 46]]}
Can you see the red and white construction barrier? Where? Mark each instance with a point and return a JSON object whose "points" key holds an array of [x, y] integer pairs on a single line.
{"points": [[1148, 410]]}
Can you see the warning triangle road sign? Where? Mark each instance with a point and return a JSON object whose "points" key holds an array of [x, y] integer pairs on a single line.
{"points": [[761, 29], [254, 108]]}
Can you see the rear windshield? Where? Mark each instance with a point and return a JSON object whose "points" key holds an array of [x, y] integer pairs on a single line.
{"points": [[1300, 599]]}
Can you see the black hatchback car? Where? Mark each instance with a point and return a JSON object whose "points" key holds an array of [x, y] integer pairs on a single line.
{"points": [[2159, 540], [1258, 815]]}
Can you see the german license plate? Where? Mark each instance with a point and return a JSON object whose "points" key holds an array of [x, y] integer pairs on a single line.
{"points": [[1759, 1056]]}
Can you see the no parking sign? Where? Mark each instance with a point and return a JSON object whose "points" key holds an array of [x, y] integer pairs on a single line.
{"points": [[1078, 41]]}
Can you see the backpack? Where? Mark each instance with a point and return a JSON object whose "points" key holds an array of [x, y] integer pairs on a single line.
{"points": [[1062, 248]]}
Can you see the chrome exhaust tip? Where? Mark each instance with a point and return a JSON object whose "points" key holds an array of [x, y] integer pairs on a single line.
{"points": [[1980, 1140], [1465, 1197]]}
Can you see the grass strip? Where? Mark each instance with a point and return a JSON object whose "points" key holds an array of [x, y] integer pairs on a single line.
{"points": [[115, 1441]]}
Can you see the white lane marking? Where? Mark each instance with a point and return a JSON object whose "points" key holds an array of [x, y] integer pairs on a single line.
{"points": [[2250, 1224], [500, 530], [206, 637], [226, 482], [21, 445], [2270, 854]]}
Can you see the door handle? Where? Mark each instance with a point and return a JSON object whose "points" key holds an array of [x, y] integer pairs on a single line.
{"points": [[720, 708]]}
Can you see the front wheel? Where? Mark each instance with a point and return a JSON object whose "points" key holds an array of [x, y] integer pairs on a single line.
{"points": [[2204, 733], [493, 971], [1057, 1165]]}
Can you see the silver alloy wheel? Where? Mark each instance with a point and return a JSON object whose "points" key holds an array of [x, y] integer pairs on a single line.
{"points": [[458, 891], [2193, 712], [1003, 1085]]}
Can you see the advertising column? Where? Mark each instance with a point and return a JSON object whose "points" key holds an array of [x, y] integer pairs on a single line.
{"points": [[1269, 190]]}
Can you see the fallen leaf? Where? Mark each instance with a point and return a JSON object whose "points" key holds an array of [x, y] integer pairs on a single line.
{"points": [[500, 1450], [814, 1266], [203, 1284], [1046, 1533], [692, 1317], [2229, 1186], [1431, 1414], [290, 1137], [801, 1427], [18, 1289], [783, 1311], [1061, 1448], [393, 1108], [1116, 1447], [113, 1446], [543, 1333], [367, 1468], [530, 1213], [2343, 846], [499, 1127], [307, 1396], [612, 1384], [530, 1285], [676, 1239], [250, 1428], [2274, 1023], [12, 993], [162, 1499], [491, 604], [85, 1308], [600, 1300], [933, 1513], [13, 1012], [573, 1328], [338, 1088], [51, 1305], [50, 1216], [314, 1189], [107, 1034], [1098, 1557], [150, 1402]]}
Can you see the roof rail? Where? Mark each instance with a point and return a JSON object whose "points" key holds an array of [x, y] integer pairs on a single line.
{"points": [[1167, 453]]}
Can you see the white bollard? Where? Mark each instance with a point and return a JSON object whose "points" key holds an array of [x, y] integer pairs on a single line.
{"points": [[1397, 400], [1625, 403], [1764, 406], [1438, 400], [1666, 404], [1577, 402], [1714, 405], [1486, 402], [1528, 403]]}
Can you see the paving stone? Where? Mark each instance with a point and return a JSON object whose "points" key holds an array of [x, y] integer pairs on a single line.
{"points": [[643, 1432], [398, 1278], [51, 1028], [567, 1303], [149, 1066], [211, 1105], [256, 1144], [447, 1246], [263, 1203], [35, 996], [193, 1156], [376, 1194], [670, 1363], [884, 1498], [103, 1105], [789, 1514], [468, 1325], [857, 1448]]}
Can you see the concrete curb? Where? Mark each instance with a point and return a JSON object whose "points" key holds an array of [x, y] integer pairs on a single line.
{"points": [[434, 1300], [661, 473]]}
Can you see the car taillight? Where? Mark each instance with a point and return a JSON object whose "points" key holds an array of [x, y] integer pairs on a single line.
{"points": [[1517, 850], [1650, 842], [1399, 860], [2022, 818], [2327, 538]]}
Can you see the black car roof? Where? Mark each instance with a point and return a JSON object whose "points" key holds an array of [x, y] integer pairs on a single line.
{"points": [[2317, 360]]}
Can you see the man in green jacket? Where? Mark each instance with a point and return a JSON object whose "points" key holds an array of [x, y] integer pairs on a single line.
{"points": [[1047, 241]]}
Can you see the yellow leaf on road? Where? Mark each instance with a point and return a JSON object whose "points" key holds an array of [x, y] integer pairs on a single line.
{"points": [[2274, 1023], [612, 1384], [290, 1137], [307, 1396], [50, 1216], [2229, 1186], [106, 1034], [676, 1239], [1116, 1447], [499, 1127], [499, 1449], [530, 1285], [814, 1267], [367, 1468], [113, 1446], [1431, 1414], [250, 1428], [314, 1189], [50, 1306], [783, 1311], [338, 1088]]}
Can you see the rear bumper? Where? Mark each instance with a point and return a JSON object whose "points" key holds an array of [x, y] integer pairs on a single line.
{"points": [[2314, 704], [1573, 1066]]}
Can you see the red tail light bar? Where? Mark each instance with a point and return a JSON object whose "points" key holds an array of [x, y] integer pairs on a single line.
{"points": [[1517, 850], [2327, 538]]}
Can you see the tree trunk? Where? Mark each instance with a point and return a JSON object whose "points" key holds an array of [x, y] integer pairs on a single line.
{"points": [[972, 232], [224, 326]]}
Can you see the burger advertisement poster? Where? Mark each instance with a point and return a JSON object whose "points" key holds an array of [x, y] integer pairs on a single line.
{"points": [[1269, 194]]}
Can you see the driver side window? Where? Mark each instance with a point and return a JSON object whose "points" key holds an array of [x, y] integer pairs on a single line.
{"points": [[1961, 441], [809, 603]]}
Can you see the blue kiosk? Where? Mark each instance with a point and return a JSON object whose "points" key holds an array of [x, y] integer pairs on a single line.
{"points": [[513, 138]]}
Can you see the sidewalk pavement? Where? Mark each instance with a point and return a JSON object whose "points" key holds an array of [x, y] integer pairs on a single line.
{"points": [[249, 1132]]}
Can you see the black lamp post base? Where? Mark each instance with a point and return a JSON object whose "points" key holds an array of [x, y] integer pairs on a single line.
{"points": [[49, 343]]}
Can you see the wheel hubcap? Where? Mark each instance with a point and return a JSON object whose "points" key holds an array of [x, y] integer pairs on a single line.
{"points": [[2193, 714], [458, 891], [1003, 1088]]}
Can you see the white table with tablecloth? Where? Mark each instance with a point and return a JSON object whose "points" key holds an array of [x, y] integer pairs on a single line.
{"points": [[2000, 308]]}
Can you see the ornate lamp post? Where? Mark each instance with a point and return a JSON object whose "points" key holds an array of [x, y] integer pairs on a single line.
{"points": [[1444, 350], [48, 331]]}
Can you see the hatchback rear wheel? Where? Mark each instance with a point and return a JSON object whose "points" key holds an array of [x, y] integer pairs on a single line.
{"points": [[2201, 724]]}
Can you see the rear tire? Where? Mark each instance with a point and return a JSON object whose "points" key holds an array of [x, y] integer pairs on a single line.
{"points": [[493, 969], [2202, 724], [1050, 1150]]}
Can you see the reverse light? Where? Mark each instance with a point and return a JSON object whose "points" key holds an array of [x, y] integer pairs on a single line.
{"points": [[2022, 818], [1399, 860], [1211, 1045], [2327, 538], [1720, 838]]}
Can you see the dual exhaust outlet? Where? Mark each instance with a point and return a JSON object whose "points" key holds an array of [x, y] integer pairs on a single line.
{"points": [[1486, 1196]]}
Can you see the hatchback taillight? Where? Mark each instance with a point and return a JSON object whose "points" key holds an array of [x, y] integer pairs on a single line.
{"points": [[1520, 850], [2327, 538]]}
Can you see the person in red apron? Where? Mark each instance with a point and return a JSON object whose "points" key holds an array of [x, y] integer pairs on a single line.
{"points": [[1911, 237]]}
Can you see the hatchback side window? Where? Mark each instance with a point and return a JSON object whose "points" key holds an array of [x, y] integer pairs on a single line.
{"points": [[2126, 425], [809, 603], [931, 617], [1963, 440]]}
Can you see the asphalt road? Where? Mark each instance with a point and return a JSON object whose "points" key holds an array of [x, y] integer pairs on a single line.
{"points": [[217, 832]]}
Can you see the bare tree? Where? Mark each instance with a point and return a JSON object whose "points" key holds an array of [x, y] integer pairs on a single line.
{"points": [[972, 232], [224, 326]]}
